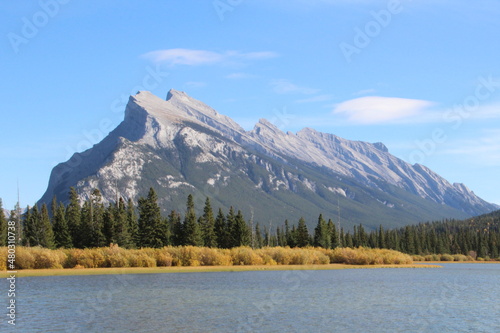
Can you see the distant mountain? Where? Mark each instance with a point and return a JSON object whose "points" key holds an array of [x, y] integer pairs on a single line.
{"points": [[181, 146]]}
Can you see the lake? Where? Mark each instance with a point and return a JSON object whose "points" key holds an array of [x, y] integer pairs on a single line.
{"points": [[455, 298]]}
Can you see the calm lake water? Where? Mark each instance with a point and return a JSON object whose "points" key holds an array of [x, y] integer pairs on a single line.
{"points": [[456, 298]]}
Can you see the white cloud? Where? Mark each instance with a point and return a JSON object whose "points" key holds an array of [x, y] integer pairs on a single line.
{"points": [[283, 86], [378, 110], [191, 57]]}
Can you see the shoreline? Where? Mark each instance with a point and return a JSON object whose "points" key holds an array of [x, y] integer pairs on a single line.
{"points": [[198, 269]]}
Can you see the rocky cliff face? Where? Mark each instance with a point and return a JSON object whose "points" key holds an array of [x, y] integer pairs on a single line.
{"points": [[181, 146]]}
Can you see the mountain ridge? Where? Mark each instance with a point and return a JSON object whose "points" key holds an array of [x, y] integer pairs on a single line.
{"points": [[183, 145]]}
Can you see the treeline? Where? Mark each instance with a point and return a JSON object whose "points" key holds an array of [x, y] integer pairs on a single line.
{"points": [[94, 224]]}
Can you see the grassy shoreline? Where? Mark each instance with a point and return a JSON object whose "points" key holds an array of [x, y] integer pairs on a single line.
{"points": [[197, 269]]}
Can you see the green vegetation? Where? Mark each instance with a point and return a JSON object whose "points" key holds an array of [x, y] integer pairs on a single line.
{"points": [[95, 225]]}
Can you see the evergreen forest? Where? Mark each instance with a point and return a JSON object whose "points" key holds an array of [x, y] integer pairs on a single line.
{"points": [[142, 225]]}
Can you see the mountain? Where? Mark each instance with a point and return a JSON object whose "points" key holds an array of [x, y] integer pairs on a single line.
{"points": [[181, 146]]}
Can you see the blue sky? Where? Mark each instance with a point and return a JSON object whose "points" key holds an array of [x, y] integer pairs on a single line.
{"points": [[421, 76]]}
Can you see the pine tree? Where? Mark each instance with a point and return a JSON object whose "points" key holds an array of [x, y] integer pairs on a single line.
{"points": [[408, 241], [150, 230], [46, 232], [381, 238], [230, 221], [37, 228], [302, 234], [240, 233], [30, 218], [109, 224], [192, 232], [334, 235], [220, 229], [121, 232], [62, 237], [292, 241], [322, 236], [208, 229], [97, 228], [3, 226], [73, 218], [133, 228], [85, 231], [175, 224]]}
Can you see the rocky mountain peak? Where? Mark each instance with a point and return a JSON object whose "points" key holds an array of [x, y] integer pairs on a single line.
{"points": [[181, 145]]}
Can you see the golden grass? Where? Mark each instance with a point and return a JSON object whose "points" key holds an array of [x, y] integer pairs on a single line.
{"points": [[198, 269], [443, 257], [115, 257]]}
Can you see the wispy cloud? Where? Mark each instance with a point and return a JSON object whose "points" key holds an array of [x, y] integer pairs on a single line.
{"points": [[364, 92], [484, 150], [379, 110], [283, 86], [191, 57]]}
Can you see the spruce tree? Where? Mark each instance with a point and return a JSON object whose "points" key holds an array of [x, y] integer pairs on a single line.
{"points": [[85, 226], [230, 221], [150, 231], [45, 229], [109, 224], [302, 234], [192, 232], [62, 237], [322, 236], [121, 232], [175, 224], [97, 233], [133, 228], [209, 237], [73, 218], [240, 234], [381, 238], [334, 234], [220, 229], [31, 218]]}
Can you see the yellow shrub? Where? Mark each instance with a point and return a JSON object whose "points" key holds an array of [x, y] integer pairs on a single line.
{"points": [[214, 257], [163, 258], [3, 258], [140, 258], [446, 257], [245, 256], [460, 257], [25, 259]]}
